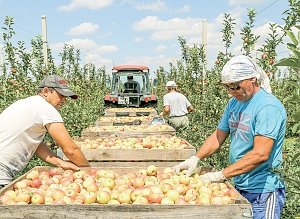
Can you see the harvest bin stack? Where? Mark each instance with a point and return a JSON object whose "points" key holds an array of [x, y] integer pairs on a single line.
{"points": [[128, 144], [124, 143]]}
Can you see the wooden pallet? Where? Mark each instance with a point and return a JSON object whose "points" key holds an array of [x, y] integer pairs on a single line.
{"points": [[87, 133], [240, 209], [136, 155], [130, 112]]}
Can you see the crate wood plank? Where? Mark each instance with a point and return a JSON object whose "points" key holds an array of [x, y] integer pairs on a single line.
{"points": [[125, 211], [240, 209], [133, 164], [142, 154]]}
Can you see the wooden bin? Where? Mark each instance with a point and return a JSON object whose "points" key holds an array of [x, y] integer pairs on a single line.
{"points": [[119, 121], [240, 209], [135, 157], [130, 112], [90, 132]]}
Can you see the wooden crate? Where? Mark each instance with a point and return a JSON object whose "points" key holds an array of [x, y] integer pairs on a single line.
{"points": [[130, 112], [240, 209], [118, 121], [136, 155], [138, 133]]}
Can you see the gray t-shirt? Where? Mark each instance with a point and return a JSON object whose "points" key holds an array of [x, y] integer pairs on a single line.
{"points": [[178, 103]]}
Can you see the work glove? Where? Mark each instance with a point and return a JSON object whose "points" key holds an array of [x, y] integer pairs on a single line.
{"points": [[190, 164], [213, 177]]}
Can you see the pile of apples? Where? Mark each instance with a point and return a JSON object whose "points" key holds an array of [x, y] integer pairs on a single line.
{"points": [[124, 119], [114, 110], [149, 142], [105, 186], [130, 128]]}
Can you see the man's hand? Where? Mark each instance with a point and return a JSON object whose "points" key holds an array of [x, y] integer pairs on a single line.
{"points": [[68, 165], [213, 177], [190, 164]]}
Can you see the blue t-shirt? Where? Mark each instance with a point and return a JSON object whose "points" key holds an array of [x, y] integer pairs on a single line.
{"points": [[262, 115]]}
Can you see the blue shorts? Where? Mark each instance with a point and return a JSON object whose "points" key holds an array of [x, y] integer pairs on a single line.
{"points": [[266, 205]]}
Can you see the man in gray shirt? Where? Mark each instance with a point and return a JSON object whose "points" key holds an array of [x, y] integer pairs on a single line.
{"points": [[177, 106]]}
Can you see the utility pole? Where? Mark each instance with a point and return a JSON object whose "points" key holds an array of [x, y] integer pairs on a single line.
{"points": [[45, 47], [204, 43]]}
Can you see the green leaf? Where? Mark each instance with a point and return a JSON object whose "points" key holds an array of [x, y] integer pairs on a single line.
{"points": [[289, 62], [292, 37]]}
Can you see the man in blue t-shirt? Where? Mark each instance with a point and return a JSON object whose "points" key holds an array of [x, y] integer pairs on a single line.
{"points": [[255, 120]]}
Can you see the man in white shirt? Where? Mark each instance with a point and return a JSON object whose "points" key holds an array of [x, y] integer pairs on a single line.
{"points": [[24, 124], [177, 106]]}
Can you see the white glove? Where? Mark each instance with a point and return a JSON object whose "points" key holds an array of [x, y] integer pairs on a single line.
{"points": [[213, 177], [190, 164]]}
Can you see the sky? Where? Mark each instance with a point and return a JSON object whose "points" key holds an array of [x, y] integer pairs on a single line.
{"points": [[143, 32]]}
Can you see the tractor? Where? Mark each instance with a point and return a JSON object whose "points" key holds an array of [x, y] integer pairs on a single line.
{"points": [[130, 86]]}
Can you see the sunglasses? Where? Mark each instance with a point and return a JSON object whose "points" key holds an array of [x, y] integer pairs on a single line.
{"points": [[233, 86]]}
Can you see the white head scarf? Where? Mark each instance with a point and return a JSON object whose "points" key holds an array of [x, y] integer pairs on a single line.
{"points": [[242, 67]]}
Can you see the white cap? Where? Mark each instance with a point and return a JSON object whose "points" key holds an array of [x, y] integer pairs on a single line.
{"points": [[242, 67], [171, 84]]}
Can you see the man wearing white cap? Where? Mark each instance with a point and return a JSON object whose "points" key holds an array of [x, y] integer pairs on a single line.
{"points": [[177, 106], [255, 120], [24, 124]]}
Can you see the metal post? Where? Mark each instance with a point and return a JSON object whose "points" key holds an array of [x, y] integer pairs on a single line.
{"points": [[44, 39], [204, 43]]}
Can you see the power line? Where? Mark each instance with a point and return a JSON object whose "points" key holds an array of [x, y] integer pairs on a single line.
{"points": [[267, 7]]}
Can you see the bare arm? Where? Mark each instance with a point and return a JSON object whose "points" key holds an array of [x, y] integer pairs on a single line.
{"points": [[260, 153], [44, 153], [190, 109], [61, 136], [166, 110], [212, 144]]}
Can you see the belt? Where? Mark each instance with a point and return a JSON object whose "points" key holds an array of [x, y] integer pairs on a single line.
{"points": [[178, 116]]}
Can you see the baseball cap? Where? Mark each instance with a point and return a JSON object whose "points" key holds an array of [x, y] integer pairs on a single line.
{"points": [[171, 84], [59, 84]]}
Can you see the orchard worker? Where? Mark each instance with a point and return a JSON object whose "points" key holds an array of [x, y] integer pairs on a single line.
{"points": [[255, 120], [177, 106], [24, 124]]}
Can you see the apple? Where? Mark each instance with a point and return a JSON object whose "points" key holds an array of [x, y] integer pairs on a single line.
{"points": [[11, 193], [74, 186], [191, 195], [22, 197], [90, 197], [135, 194], [232, 193], [181, 201], [124, 197], [108, 182], [183, 179], [217, 200], [151, 170], [5, 199], [167, 201], [155, 198], [103, 197], [142, 172], [78, 175], [138, 182], [57, 194], [110, 174], [55, 171], [36, 183], [37, 198], [113, 202], [92, 187], [68, 173], [172, 195], [141, 200], [165, 187], [34, 174], [181, 188]]}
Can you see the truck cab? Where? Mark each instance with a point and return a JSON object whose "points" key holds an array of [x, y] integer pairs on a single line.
{"points": [[130, 87]]}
